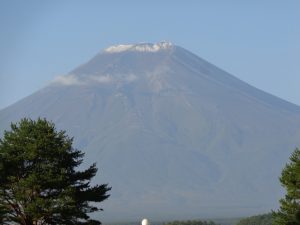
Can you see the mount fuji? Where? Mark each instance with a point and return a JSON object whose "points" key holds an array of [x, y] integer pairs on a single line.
{"points": [[175, 136]]}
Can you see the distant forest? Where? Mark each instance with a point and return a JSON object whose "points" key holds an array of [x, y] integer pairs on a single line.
{"points": [[176, 222], [265, 219], [191, 222]]}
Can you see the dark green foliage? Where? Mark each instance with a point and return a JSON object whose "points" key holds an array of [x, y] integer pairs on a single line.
{"points": [[190, 222], [289, 212], [39, 182], [265, 219]]}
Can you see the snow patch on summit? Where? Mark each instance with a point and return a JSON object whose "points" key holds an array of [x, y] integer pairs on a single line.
{"points": [[118, 48], [143, 47]]}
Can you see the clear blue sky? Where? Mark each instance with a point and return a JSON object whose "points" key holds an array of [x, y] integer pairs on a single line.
{"points": [[258, 41]]}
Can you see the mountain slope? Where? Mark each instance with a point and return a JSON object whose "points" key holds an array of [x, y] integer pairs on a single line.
{"points": [[175, 136]]}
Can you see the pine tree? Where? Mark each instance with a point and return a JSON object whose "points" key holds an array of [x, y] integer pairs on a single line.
{"points": [[39, 178], [289, 212]]}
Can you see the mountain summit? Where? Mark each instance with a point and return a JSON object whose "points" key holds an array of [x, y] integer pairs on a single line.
{"points": [[143, 47], [175, 136]]}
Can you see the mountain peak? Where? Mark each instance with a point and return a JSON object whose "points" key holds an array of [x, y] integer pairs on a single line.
{"points": [[179, 128], [141, 47]]}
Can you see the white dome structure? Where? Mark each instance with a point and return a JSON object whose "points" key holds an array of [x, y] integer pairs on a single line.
{"points": [[145, 222]]}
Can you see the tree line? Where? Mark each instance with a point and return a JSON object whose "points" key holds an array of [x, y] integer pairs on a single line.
{"points": [[264, 219], [191, 222]]}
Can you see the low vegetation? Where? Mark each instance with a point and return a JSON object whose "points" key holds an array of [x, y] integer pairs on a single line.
{"points": [[265, 219], [191, 222]]}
